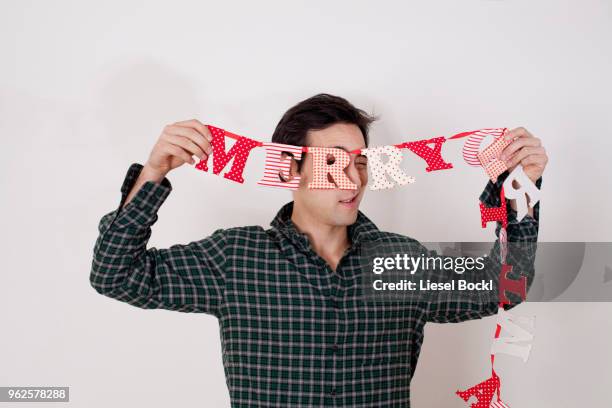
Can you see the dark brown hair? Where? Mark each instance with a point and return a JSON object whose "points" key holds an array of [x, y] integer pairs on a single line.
{"points": [[316, 113]]}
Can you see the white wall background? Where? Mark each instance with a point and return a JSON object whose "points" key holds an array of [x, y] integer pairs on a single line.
{"points": [[86, 87]]}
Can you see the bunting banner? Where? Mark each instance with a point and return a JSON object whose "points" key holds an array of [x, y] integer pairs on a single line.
{"points": [[328, 172], [487, 394], [329, 163]]}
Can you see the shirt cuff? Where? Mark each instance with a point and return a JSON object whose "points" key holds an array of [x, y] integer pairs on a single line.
{"points": [[142, 208]]}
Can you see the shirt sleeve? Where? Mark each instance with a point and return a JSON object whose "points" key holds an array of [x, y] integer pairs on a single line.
{"points": [[184, 277], [458, 306]]}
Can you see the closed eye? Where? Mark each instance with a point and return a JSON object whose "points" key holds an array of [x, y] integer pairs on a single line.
{"points": [[361, 161]]}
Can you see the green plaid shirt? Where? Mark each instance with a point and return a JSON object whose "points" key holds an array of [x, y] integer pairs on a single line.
{"points": [[294, 333]]}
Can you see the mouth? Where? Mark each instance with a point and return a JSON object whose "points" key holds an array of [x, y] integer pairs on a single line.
{"points": [[349, 202]]}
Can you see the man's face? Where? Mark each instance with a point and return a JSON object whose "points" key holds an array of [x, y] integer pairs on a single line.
{"points": [[334, 206]]}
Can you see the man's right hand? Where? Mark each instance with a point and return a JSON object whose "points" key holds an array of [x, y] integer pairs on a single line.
{"points": [[177, 145]]}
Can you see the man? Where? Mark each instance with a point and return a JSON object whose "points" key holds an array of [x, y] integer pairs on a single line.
{"points": [[297, 330]]}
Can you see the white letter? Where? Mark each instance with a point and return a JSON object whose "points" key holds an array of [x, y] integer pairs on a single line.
{"points": [[506, 345], [526, 187], [379, 169]]}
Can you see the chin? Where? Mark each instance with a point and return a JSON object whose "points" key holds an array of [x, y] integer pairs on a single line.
{"points": [[346, 219]]}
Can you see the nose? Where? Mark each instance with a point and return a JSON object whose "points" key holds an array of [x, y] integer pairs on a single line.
{"points": [[353, 174]]}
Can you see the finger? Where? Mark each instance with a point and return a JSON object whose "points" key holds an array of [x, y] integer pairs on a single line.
{"points": [[190, 133], [517, 133], [187, 145], [522, 142], [535, 160], [523, 153], [197, 125], [176, 151]]}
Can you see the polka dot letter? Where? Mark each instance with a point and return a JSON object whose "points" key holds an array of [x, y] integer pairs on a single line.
{"points": [[489, 158], [432, 156], [379, 170], [239, 152], [494, 213], [321, 169], [483, 392]]}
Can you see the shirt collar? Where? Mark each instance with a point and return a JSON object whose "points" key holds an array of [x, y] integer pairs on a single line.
{"points": [[363, 229]]}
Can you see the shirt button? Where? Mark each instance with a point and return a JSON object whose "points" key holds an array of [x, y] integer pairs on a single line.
{"points": [[335, 348], [333, 392]]}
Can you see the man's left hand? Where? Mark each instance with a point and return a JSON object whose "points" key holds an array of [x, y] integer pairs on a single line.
{"points": [[526, 150]]}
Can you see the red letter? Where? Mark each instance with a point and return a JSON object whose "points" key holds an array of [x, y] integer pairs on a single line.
{"points": [[511, 285], [494, 213], [432, 156], [483, 392], [240, 150]]}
